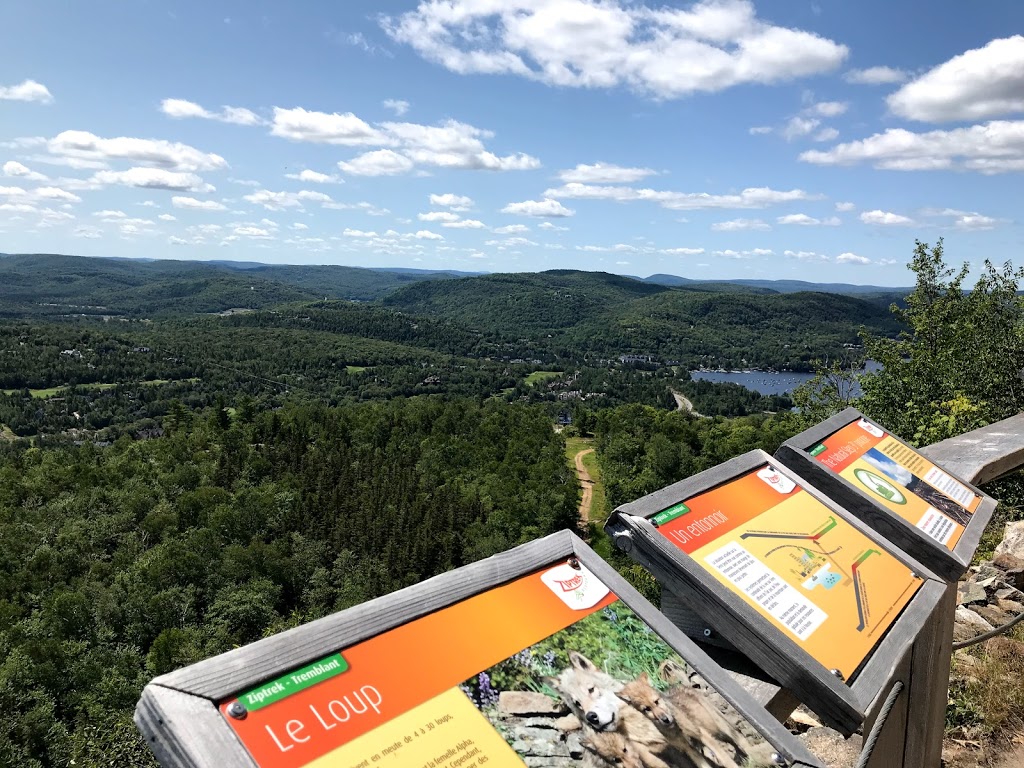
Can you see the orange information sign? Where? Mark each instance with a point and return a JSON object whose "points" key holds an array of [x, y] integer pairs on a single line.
{"points": [[901, 479], [426, 694], [805, 569]]}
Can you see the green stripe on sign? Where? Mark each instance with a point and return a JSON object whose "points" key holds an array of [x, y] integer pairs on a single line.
{"points": [[676, 510], [819, 448], [293, 682]]}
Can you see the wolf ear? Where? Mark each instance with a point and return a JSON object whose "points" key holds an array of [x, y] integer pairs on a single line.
{"points": [[625, 697], [581, 662], [644, 678]]}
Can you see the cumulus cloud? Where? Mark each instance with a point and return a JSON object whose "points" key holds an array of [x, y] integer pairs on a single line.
{"points": [[994, 147], [513, 229], [875, 76], [278, 201], [829, 108], [799, 126], [752, 197], [29, 90], [455, 202], [738, 225], [605, 173], [167, 217], [852, 258], [15, 169], [315, 177], [845, 207], [826, 134], [886, 219], [190, 203], [975, 221], [56, 193], [808, 221], [465, 224], [153, 178], [980, 83], [379, 162], [551, 227], [88, 232], [398, 106], [426, 234], [682, 251], [358, 233], [155, 153], [805, 255], [663, 52], [758, 130], [543, 208], [438, 216], [325, 128], [179, 108]]}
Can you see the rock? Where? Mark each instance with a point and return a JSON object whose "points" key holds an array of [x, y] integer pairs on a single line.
{"points": [[1013, 540], [986, 571], [970, 592], [831, 748], [989, 583], [1010, 606], [1005, 593], [529, 703], [992, 615], [969, 618], [1007, 562]]}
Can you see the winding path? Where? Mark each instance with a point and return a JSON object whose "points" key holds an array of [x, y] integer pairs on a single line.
{"points": [[588, 485], [683, 403]]}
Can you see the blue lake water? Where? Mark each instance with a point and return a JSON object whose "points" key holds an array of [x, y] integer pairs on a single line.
{"points": [[765, 382]]}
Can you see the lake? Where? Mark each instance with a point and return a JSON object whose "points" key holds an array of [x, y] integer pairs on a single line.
{"points": [[765, 382]]}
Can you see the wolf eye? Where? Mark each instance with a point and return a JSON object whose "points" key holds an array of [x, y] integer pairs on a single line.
{"points": [[576, 702], [646, 708], [591, 689]]}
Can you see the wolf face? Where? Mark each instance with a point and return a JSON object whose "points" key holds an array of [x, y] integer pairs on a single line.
{"points": [[645, 698], [590, 693]]}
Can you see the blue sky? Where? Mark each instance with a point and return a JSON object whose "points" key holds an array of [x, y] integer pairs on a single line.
{"points": [[722, 139]]}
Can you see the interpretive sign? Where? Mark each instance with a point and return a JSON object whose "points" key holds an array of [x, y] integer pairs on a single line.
{"points": [[780, 571], [542, 652], [920, 506]]}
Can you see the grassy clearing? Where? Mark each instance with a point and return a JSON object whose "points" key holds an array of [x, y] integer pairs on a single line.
{"points": [[42, 394], [537, 376], [6, 435], [350, 369]]}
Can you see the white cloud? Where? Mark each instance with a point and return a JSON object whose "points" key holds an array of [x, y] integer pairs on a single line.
{"points": [[12, 192], [826, 134], [806, 255], [875, 76], [975, 221], [514, 229], [253, 233], [759, 129], [278, 201], [56, 193], [358, 233], [15, 169], [179, 108], [426, 234], [682, 251], [845, 207], [322, 128], [314, 176], [167, 217], [799, 126], [299, 226], [455, 202], [368, 208], [398, 106], [752, 197], [544, 208], [190, 203], [110, 215], [980, 83], [664, 52], [153, 178], [465, 224], [509, 242], [29, 90], [994, 147], [156, 153], [737, 225], [438, 216], [605, 173], [88, 232], [852, 258], [453, 145], [829, 108], [808, 221], [886, 219], [379, 162]]}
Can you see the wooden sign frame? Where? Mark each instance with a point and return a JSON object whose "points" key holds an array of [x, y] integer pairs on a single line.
{"points": [[844, 706], [949, 564], [178, 712]]}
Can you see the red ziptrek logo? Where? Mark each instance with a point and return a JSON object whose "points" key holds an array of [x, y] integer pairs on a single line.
{"points": [[575, 585]]}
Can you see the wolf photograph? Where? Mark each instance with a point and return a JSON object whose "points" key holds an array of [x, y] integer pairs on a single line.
{"points": [[608, 691]]}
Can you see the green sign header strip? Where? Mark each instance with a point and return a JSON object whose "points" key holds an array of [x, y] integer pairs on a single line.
{"points": [[676, 510], [293, 682]]}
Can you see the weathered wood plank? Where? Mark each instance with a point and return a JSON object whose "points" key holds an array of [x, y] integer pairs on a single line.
{"points": [[982, 454]]}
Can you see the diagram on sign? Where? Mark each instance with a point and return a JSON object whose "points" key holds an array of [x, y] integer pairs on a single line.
{"points": [[804, 567], [813, 562]]}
